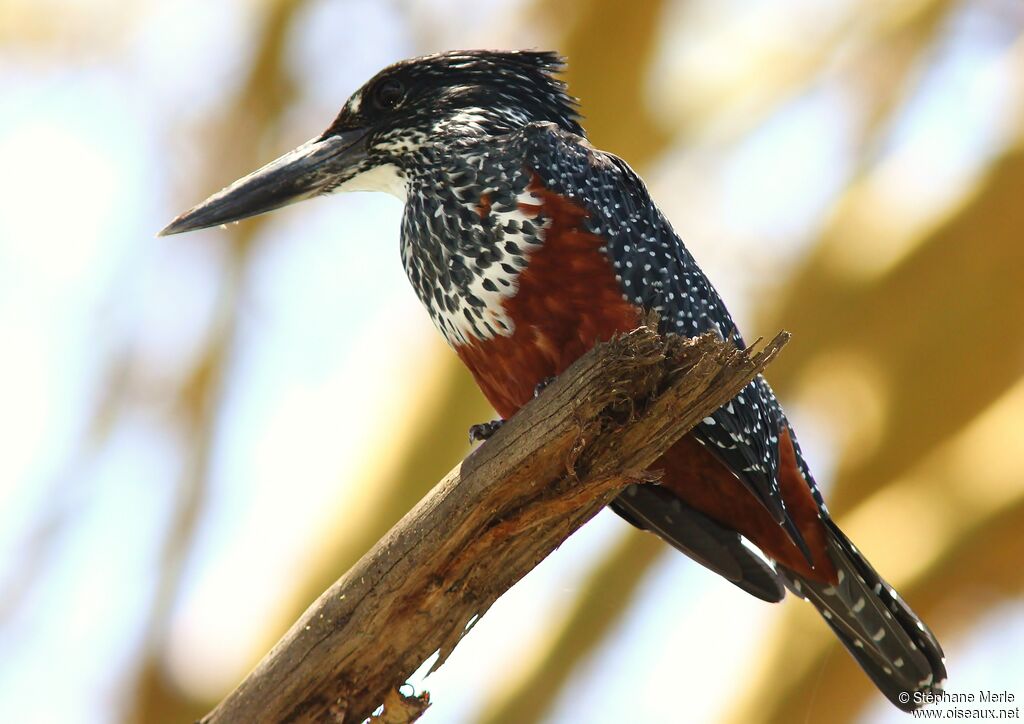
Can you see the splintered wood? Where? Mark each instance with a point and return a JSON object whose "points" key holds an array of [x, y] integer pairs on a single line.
{"points": [[495, 516]]}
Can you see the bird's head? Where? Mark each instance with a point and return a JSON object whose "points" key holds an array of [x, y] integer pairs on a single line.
{"points": [[378, 136]]}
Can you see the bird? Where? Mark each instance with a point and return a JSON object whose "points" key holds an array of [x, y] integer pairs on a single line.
{"points": [[527, 246]]}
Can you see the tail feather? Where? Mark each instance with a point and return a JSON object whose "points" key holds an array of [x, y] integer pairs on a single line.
{"points": [[718, 548], [893, 646]]}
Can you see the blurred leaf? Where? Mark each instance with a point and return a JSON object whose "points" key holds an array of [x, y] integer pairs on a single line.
{"points": [[963, 283], [438, 442], [612, 85], [603, 599], [255, 109]]}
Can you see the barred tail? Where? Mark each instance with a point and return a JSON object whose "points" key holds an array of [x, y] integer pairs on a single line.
{"points": [[893, 646]]}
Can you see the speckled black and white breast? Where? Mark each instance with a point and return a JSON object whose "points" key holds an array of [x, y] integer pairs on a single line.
{"points": [[465, 239]]}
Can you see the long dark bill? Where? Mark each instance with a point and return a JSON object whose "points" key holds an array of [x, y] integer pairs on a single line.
{"points": [[311, 169]]}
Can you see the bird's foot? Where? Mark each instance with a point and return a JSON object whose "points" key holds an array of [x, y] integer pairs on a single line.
{"points": [[484, 431], [541, 386]]}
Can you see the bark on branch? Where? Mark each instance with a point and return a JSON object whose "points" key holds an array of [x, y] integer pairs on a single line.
{"points": [[494, 517]]}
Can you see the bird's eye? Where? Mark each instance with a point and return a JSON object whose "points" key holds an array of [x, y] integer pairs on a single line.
{"points": [[389, 94]]}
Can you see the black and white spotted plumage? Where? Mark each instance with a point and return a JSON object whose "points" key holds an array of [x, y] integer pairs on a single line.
{"points": [[894, 647], [658, 273], [462, 265]]}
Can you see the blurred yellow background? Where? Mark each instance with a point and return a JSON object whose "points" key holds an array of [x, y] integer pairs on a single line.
{"points": [[199, 433]]}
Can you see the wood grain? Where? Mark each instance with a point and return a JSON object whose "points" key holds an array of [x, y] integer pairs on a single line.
{"points": [[493, 518]]}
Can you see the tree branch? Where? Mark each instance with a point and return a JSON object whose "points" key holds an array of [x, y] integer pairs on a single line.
{"points": [[493, 518]]}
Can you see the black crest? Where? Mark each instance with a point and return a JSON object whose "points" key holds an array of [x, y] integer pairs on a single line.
{"points": [[495, 90]]}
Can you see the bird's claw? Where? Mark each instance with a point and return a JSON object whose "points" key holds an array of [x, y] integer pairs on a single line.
{"points": [[483, 431], [541, 386]]}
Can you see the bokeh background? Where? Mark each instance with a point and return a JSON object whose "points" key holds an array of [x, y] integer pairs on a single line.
{"points": [[199, 433]]}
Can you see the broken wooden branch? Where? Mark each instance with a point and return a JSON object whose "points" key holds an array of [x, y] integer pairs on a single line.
{"points": [[495, 516]]}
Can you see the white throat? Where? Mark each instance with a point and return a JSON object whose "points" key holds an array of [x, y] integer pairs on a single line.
{"points": [[387, 178]]}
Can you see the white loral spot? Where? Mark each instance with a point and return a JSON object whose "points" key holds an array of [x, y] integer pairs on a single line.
{"points": [[355, 102], [387, 178]]}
